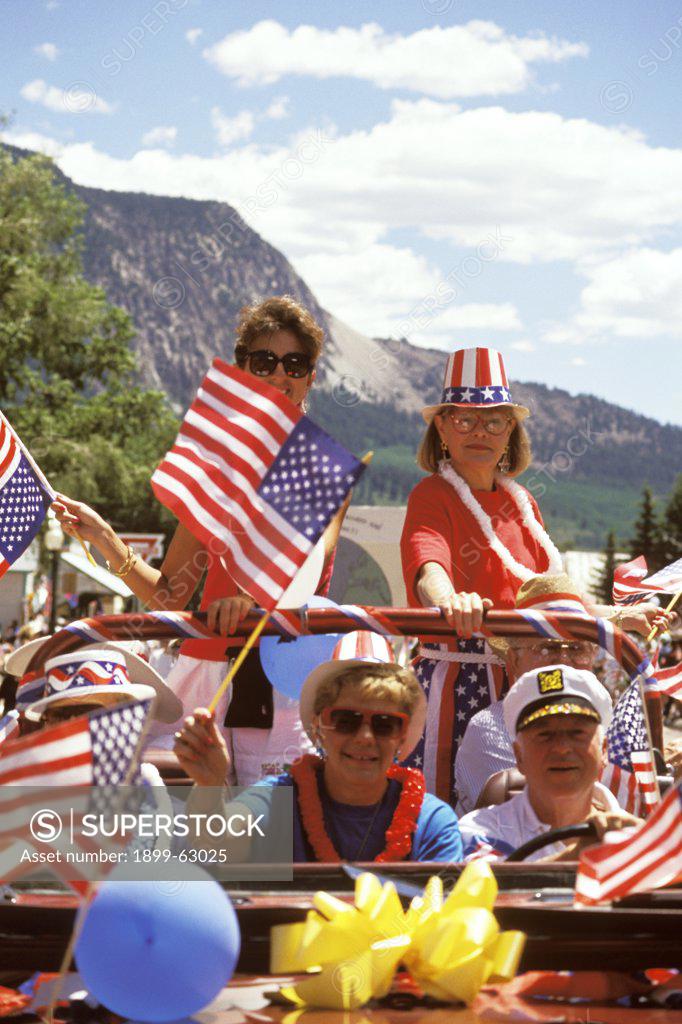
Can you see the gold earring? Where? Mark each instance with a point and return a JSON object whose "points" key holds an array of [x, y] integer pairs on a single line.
{"points": [[504, 463], [445, 454]]}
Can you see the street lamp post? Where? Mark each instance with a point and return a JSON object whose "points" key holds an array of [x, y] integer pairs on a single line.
{"points": [[54, 542]]}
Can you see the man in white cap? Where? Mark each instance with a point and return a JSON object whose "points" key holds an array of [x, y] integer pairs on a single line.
{"points": [[556, 718], [486, 747]]}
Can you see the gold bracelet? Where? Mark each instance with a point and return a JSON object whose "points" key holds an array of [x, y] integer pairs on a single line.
{"points": [[127, 565]]}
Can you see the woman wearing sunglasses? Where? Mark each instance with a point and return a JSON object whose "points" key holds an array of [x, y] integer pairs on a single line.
{"points": [[279, 342], [353, 801]]}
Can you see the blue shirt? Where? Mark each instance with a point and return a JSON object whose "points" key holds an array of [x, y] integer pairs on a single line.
{"points": [[359, 832]]}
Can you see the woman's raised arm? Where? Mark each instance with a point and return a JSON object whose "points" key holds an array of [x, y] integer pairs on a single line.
{"points": [[169, 587]]}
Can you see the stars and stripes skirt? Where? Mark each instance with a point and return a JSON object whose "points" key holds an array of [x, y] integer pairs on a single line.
{"points": [[459, 679]]}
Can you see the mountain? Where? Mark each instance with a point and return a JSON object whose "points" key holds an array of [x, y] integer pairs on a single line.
{"points": [[183, 268]]}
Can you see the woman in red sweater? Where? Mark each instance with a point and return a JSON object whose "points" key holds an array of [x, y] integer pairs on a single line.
{"points": [[471, 537]]}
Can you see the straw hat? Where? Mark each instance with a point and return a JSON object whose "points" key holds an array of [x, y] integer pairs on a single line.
{"points": [[552, 592], [102, 668]]}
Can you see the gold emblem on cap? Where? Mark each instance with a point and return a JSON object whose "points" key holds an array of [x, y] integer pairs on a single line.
{"points": [[550, 682]]}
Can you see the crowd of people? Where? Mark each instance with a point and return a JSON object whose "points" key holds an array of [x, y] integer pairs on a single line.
{"points": [[386, 762]]}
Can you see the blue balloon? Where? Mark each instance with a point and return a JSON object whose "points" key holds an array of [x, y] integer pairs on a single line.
{"points": [[286, 663], [161, 949]]}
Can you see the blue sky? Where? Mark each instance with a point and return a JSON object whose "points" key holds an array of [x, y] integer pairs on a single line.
{"points": [[463, 173]]}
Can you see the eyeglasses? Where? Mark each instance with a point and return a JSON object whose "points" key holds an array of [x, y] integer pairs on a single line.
{"points": [[578, 652], [464, 422], [263, 363], [347, 721]]}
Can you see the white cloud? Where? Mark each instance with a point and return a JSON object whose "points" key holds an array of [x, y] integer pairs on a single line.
{"points": [[162, 135], [78, 98], [192, 34], [524, 345], [578, 361], [476, 59], [47, 50], [636, 295], [278, 109], [527, 187], [232, 129]]}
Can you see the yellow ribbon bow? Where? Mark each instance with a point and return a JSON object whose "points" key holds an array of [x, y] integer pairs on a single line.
{"points": [[351, 952]]}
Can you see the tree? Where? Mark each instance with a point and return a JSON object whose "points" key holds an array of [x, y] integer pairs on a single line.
{"points": [[603, 585], [647, 539], [672, 525], [67, 371]]}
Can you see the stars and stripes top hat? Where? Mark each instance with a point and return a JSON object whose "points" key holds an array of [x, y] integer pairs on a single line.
{"points": [[475, 378], [80, 675], [359, 648]]}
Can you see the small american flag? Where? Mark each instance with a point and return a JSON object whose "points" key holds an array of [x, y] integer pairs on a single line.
{"points": [[628, 742], [667, 580], [97, 750], [646, 860], [25, 497], [627, 582], [669, 680], [254, 479]]}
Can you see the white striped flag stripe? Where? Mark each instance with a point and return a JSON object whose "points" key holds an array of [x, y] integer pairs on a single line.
{"points": [[646, 860], [254, 479]]}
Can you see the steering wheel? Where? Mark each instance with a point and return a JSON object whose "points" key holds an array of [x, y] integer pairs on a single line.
{"points": [[555, 835]]}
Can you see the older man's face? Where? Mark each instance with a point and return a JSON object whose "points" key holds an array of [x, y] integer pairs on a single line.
{"points": [[527, 653], [560, 755]]}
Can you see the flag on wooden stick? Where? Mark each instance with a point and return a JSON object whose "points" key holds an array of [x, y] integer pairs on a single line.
{"points": [[648, 859], [254, 479], [25, 496]]}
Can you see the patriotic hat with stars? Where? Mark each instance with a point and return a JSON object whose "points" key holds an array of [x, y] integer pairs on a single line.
{"points": [[108, 668], [475, 378], [353, 649], [555, 690]]}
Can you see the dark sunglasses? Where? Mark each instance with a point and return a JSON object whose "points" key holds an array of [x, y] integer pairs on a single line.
{"points": [[347, 721], [263, 363]]}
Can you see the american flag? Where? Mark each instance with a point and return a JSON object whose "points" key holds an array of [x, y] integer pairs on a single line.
{"points": [[96, 750], [627, 582], [669, 680], [646, 860], [25, 497], [254, 479], [667, 580], [628, 742]]}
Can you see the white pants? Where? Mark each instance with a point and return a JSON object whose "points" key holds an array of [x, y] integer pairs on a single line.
{"points": [[253, 752]]}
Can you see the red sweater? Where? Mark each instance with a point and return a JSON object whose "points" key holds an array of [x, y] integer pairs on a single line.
{"points": [[438, 528]]}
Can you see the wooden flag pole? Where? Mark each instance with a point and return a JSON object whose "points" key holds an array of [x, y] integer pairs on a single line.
{"points": [[89, 557], [670, 607], [238, 661]]}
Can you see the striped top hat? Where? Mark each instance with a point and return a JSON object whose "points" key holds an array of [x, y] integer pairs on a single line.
{"points": [[353, 649], [475, 378]]}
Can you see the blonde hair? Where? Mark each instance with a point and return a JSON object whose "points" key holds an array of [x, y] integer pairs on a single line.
{"points": [[279, 313], [430, 453], [383, 682]]}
